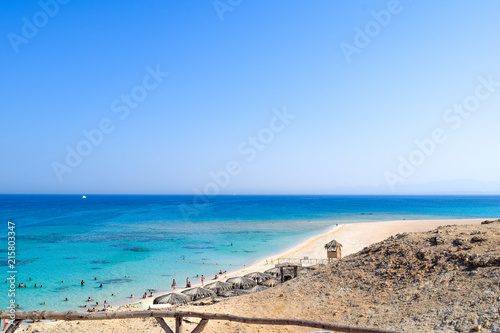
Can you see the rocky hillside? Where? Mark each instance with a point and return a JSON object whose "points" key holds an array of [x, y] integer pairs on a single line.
{"points": [[444, 280]]}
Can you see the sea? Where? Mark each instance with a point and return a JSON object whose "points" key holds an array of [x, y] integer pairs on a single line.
{"points": [[121, 245]]}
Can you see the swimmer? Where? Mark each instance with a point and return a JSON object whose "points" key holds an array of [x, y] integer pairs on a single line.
{"points": [[36, 285], [82, 283], [100, 286], [131, 295], [66, 299], [89, 299]]}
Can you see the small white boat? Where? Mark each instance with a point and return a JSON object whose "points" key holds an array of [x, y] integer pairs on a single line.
{"points": [[84, 197]]}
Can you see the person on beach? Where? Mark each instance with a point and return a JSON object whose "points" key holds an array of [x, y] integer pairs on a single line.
{"points": [[145, 295], [174, 284], [105, 304], [202, 280]]}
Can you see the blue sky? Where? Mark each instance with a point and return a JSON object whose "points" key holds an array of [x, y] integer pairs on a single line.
{"points": [[249, 96]]}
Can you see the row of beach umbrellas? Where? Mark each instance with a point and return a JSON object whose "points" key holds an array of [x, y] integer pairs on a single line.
{"points": [[235, 286]]}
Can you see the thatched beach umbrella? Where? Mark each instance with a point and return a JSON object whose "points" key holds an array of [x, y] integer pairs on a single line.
{"points": [[258, 276], [234, 292], [256, 289], [240, 282], [172, 298], [271, 282], [198, 292], [273, 271], [219, 287]]}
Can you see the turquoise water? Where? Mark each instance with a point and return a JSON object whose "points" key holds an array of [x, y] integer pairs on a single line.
{"points": [[134, 243]]}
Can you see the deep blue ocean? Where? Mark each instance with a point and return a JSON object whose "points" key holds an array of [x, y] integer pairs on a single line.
{"points": [[131, 243]]}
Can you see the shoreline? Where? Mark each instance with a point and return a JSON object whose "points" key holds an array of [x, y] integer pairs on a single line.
{"points": [[353, 236]]}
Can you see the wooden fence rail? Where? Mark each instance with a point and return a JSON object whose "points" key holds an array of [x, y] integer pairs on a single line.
{"points": [[303, 262], [178, 315]]}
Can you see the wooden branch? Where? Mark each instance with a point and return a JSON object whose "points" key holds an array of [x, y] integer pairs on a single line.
{"points": [[164, 325], [201, 326], [15, 325], [74, 315]]}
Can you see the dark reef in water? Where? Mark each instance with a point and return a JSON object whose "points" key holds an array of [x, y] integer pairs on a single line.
{"points": [[137, 249], [101, 262]]}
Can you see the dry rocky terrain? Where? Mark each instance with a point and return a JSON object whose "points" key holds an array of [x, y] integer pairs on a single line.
{"points": [[445, 280]]}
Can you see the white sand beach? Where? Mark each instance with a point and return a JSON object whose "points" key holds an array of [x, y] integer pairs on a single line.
{"points": [[353, 237]]}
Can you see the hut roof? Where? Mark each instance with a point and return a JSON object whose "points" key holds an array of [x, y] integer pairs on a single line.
{"points": [[219, 287], [333, 245], [271, 282], [273, 271], [258, 276], [172, 298], [198, 292], [234, 292], [256, 289], [240, 282]]}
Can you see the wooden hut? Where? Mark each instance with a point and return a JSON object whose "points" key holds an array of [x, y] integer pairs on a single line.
{"points": [[333, 250]]}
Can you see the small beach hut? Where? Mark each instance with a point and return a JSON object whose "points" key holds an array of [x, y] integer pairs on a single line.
{"points": [[240, 282], [333, 250], [258, 276], [219, 287], [198, 293], [172, 298], [271, 282], [256, 289]]}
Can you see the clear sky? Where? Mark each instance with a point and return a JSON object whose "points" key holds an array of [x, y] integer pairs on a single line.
{"points": [[240, 96]]}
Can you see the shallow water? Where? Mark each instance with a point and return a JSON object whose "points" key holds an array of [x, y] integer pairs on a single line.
{"points": [[134, 243]]}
